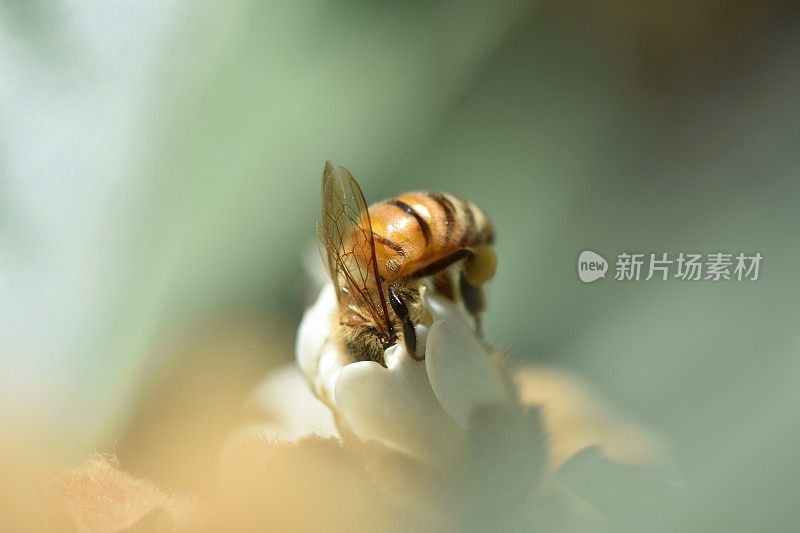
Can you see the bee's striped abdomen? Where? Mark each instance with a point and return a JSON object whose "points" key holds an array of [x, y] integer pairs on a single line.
{"points": [[466, 224], [423, 224], [416, 230]]}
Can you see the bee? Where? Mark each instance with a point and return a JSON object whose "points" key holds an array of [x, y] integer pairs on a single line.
{"points": [[378, 256]]}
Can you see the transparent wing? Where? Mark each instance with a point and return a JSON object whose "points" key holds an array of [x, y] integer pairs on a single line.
{"points": [[344, 232]]}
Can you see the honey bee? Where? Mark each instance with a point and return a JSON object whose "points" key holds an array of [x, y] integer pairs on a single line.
{"points": [[377, 258]]}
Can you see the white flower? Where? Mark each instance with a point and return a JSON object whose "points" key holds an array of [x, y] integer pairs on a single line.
{"points": [[421, 409], [451, 433]]}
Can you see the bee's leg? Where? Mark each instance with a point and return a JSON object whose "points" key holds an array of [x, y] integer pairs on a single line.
{"points": [[438, 266], [474, 301], [443, 284], [401, 310], [478, 268]]}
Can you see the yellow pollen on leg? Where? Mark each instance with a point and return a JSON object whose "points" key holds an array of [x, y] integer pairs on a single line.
{"points": [[481, 267]]}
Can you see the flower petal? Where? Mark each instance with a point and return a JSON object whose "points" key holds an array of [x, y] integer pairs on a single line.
{"points": [[318, 357], [440, 308], [295, 412], [396, 406], [314, 330], [461, 372]]}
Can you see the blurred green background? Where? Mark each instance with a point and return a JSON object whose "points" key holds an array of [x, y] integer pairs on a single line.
{"points": [[160, 168]]}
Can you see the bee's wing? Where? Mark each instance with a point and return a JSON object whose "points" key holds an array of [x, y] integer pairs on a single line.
{"points": [[344, 234]]}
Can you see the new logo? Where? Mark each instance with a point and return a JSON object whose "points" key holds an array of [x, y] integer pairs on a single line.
{"points": [[591, 266]]}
